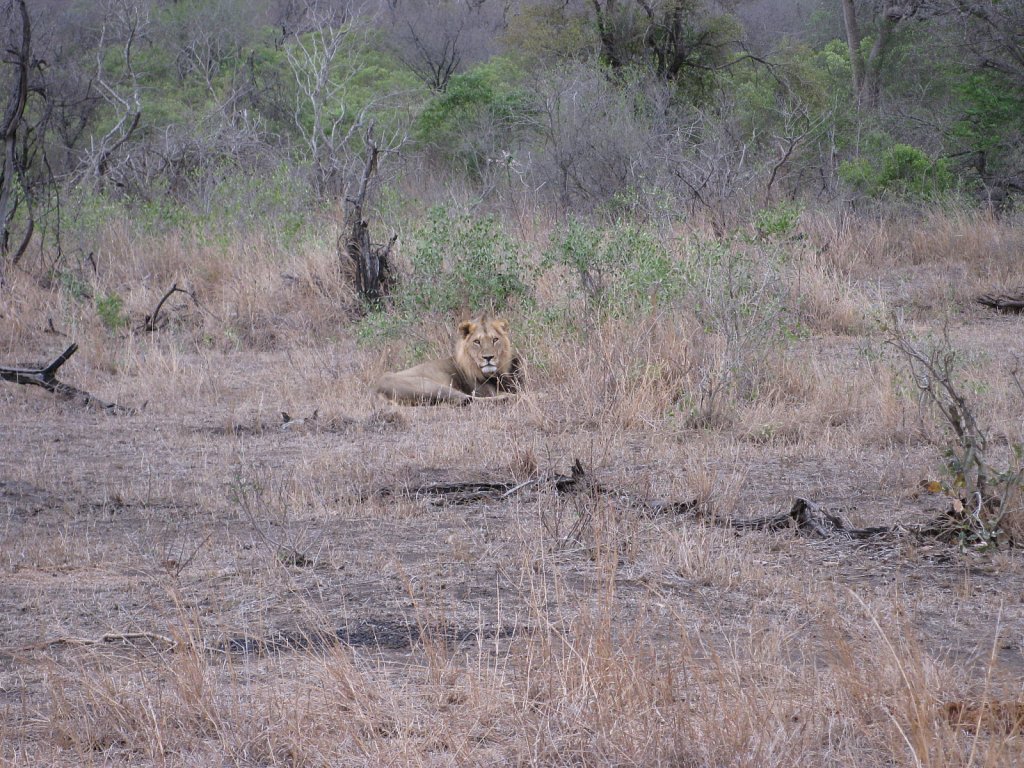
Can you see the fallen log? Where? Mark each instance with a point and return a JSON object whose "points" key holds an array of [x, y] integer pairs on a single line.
{"points": [[804, 516], [1003, 302], [46, 377], [811, 518]]}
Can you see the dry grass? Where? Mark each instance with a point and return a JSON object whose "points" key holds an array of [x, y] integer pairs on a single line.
{"points": [[534, 630]]}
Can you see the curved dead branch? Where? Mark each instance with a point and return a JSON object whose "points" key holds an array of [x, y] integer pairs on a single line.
{"points": [[46, 377]]}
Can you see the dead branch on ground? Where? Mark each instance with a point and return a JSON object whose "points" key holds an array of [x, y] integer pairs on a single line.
{"points": [[46, 377], [126, 638], [804, 516], [1003, 302]]}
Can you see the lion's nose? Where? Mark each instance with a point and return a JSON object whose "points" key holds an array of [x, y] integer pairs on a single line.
{"points": [[488, 358]]}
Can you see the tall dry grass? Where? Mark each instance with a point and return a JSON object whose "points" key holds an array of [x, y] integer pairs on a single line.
{"points": [[587, 683]]}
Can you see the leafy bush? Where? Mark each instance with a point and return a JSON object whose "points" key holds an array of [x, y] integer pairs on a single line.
{"points": [[212, 204], [777, 221], [737, 295], [461, 263], [991, 128], [110, 308], [475, 116], [902, 171], [620, 269]]}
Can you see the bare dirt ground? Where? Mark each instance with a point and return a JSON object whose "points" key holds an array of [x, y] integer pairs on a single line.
{"points": [[195, 585]]}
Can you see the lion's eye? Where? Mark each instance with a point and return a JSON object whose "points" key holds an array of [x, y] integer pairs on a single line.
{"points": [[477, 342], [495, 339]]}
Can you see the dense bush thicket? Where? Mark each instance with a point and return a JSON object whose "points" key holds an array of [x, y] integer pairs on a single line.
{"points": [[194, 112]]}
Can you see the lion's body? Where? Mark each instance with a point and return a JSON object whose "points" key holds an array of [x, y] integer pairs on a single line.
{"points": [[484, 364]]}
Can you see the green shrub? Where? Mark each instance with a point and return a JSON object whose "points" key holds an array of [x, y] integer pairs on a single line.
{"points": [[620, 269], [990, 127], [901, 171], [476, 113], [457, 264], [110, 308], [778, 221], [462, 262]]}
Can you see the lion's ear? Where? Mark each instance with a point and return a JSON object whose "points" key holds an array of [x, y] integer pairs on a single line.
{"points": [[501, 325], [466, 328]]}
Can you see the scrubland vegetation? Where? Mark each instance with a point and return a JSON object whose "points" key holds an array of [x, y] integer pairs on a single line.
{"points": [[739, 245]]}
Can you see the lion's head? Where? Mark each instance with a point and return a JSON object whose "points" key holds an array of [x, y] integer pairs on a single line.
{"points": [[483, 349]]}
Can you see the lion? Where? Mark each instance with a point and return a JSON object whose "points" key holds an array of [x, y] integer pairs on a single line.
{"points": [[484, 365]]}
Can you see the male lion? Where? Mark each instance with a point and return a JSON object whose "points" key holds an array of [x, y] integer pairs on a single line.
{"points": [[484, 365]]}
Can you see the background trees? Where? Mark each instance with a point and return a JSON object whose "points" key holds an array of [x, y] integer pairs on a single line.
{"points": [[589, 106]]}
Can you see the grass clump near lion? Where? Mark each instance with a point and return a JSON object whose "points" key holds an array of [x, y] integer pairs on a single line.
{"points": [[484, 364]]}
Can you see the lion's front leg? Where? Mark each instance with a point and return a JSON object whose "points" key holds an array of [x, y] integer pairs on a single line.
{"points": [[485, 389]]}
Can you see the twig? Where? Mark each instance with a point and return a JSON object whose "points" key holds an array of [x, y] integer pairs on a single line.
{"points": [[517, 488], [934, 374], [150, 322], [286, 555], [109, 637]]}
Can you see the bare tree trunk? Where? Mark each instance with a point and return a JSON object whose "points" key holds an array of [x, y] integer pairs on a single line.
{"points": [[373, 274], [853, 44], [867, 75], [9, 170], [605, 20]]}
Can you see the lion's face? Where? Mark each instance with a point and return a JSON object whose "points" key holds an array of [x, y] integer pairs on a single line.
{"points": [[484, 347]]}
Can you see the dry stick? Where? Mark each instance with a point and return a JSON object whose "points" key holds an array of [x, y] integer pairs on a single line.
{"points": [[150, 323], [47, 379], [109, 637], [372, 267]]}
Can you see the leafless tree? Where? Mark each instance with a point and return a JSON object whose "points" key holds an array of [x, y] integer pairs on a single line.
{"points": [[209, 35], [436, 39], [797, 127], [124, 24], [297, 17], [229, 129], [672, 35], [323, 62], [712, 167], [593, 145]]}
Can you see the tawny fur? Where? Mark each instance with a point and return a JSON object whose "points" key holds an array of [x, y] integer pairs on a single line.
{"points": [[484, 364]]}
